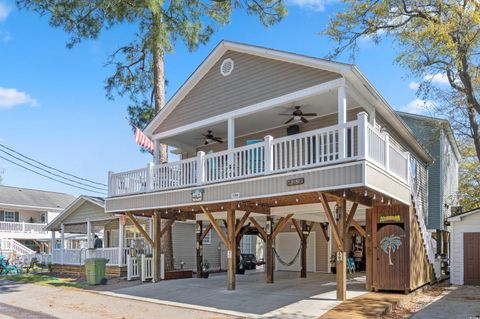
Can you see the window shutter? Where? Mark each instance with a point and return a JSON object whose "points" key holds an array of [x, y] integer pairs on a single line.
{"points": [[2, 214], [16, 217]]}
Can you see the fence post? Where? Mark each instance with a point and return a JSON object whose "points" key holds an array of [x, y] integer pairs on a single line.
{"points": [[110, 184], [408, 168], [362, 119], [162, 266], [200, 167], [387, 151], [268, 154], [149, 177], [142, 277], [129, 268]]}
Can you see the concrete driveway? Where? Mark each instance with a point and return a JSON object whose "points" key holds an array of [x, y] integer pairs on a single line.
{"points": [[289, 297]]}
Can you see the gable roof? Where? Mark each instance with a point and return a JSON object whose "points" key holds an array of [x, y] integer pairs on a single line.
{"points": [[461, 216], [55, 223], [445, 125], [348, 71], [25, 198]]}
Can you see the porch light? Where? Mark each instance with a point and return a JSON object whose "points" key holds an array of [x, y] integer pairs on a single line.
{"points": [[344, 195], [381, 200], [389, 203], [276, 202], [256, 204], [365, 194], [238, 205], [306, 231], [337, 213], [221, 207], [374, 196], [296, 199]]}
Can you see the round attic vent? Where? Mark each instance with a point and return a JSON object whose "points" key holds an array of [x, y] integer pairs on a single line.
{"points": [[227, 67]]}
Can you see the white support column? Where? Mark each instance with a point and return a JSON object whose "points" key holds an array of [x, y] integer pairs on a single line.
{"points": [[268, 154], [342, 119], [231, 133], [62, 242], [52, 242], [387, 151], [362, 118], [121, 234], [200, 167], [89, 234]]}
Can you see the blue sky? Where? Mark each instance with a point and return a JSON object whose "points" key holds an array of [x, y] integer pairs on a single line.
{"points": [[52, 99]]}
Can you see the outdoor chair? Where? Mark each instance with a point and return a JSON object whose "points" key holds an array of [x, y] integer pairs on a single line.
{"points": [[30, 266], [351, 265]]}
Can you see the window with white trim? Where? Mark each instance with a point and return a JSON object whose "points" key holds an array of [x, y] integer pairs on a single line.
{"points": [[207, 240], [10, 216]]}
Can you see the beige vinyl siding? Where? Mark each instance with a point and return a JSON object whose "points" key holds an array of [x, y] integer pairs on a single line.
{"points": [[86, 211], [325, 178], [183, 236], [254, 79], [321, 246]]}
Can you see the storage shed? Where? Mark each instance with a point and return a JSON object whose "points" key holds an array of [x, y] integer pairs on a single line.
{"points": [[465, 248]]}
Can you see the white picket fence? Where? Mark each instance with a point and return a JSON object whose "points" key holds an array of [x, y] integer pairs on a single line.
{"points": [[78, 256], [142, 267]]}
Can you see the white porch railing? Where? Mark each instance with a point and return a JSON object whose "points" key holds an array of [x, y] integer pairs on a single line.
{"points": [[335, 144], [22, 227], [9, 245], [78, 256]]}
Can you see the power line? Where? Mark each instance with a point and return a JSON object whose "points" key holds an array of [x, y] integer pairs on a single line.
{"points": [[54, 179], [55, 169], [54, 174]]}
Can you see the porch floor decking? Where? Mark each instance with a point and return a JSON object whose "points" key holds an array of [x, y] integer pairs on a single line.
{"points": [[289, 297]]}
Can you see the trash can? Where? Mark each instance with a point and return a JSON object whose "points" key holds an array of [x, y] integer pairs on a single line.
{"points": [[95, 270]]}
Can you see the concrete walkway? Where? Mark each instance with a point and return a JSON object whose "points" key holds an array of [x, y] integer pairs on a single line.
{"points": [[289, 297]]}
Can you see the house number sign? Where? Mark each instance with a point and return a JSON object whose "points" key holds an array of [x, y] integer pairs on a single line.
{"points": [[197, 195], [295, 181]]}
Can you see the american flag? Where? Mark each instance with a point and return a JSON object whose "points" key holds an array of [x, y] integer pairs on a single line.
{"points": [[143, 140]]}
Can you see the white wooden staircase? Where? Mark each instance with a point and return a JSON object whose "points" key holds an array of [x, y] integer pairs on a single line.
{"points": [[428, 241], [8, 246]]}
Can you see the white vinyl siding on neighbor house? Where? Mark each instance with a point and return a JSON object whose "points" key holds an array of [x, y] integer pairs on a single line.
{"points": [[468, 224], [449, 184]]}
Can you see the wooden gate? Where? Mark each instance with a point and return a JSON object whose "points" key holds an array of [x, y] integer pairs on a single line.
{"points": [[471, 258], [391, 257]]}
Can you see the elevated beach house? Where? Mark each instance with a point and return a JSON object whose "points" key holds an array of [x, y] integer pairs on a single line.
{"points": [[272, 143]]}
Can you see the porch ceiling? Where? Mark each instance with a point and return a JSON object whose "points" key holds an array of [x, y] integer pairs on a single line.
{"points": [[322, 104]]}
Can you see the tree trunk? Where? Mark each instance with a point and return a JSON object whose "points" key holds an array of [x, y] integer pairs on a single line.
{"points": [[159, 97]]}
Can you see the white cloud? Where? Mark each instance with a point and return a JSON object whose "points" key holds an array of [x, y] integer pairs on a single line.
{"points": [[414, 85], [316, 5], [11, 97], [418, 106], [439, 78], [5, 36], [4, 11]]}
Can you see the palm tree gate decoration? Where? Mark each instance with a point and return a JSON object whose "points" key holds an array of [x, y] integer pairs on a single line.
{"points": [[390, 245]]}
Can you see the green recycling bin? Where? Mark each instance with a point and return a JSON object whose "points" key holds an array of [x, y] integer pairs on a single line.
{"points": [[95, 270]]}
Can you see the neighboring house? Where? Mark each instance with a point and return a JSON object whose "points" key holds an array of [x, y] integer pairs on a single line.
{"points": [[437, 137], [86, 215], [267, 136], [465, 243], [23, 215]]}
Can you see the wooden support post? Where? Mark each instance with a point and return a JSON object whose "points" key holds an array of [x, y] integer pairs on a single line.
{"points": [[231, 253], [368, 250], [141, 230], [303, 246], [341, 254], [157, 259], [269, 244], [199, 246]]}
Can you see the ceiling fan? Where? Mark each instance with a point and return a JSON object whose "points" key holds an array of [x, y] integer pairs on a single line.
{"points": [[298, 115], [209, 138]]}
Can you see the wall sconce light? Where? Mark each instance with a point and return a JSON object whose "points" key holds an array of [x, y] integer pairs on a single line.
{"points": [[306, 230], [268, 227], [324, 226]]}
